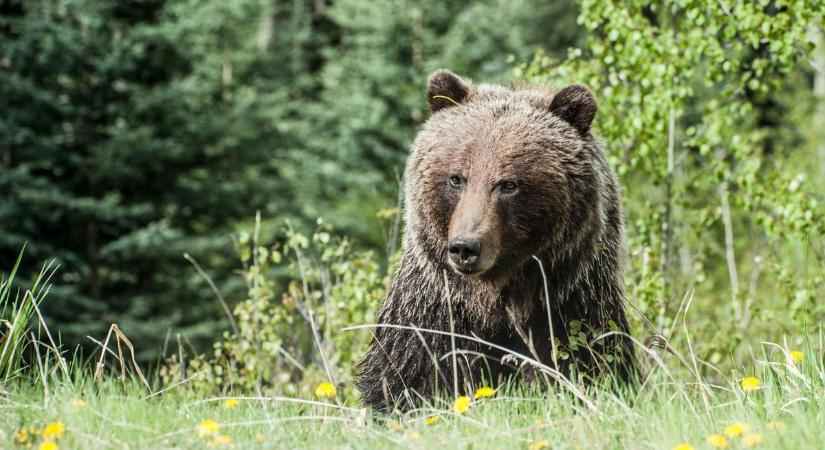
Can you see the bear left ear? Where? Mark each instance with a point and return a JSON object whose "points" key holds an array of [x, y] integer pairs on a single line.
{"points": [[446, 89], [576, 105]]}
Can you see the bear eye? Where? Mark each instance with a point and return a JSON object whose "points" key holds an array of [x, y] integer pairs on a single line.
{"points": [[456, 181], [508, 187]]}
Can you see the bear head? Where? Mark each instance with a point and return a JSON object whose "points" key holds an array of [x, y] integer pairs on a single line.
{"points": [[499, 174]]}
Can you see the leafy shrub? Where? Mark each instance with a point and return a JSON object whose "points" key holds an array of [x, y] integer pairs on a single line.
{"points": [[274, 346]]}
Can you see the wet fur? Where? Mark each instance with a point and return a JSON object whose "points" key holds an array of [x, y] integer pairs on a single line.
{"points": [[568, 215]]}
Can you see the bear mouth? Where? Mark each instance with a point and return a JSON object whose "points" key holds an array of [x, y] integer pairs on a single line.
{"points": [[471, 270], [467, 270]]}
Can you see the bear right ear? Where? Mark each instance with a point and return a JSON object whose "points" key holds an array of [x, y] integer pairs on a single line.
{"points": [[445, 89], [576, 105]]}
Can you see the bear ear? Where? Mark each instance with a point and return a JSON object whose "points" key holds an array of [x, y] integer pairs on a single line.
{"points": [[445, 89], [576, 105]]}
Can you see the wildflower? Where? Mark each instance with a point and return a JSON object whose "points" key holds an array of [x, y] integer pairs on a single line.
{"points": [[48, 445], [208, 428], [752, 440], [259, 437], [231, 403], [777, 425], [77, 403], [484, 392], [219, 440], [683, 446], [538, 445], [54, 431], [22, 436], [717, 440], [432, 420], [797, 356], [325, 390], [736, 429], [461, 404], [751, 384], [395, 426]]}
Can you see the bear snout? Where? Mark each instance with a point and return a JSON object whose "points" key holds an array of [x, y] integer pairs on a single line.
{"points": [[464, 253]]}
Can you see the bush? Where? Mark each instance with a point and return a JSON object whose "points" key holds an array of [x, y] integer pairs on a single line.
{"points": [[274, 345]]}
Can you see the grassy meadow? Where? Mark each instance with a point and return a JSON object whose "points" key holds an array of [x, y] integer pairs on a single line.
{"points": [[781, 406]]}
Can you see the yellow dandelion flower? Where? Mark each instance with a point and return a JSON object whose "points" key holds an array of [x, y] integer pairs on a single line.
{"points": [[539, 445], [752, 440], [325, 390], [484, 392], [259, 437], [48, 445], [231, 403], [220, 440], [777, 425], [751, 384], [461, 404], [683, 446], [717, 440], [736, 429], [77, 403], [432, 420], [54, 431], [395, 426], [208, 428], [797, 356], [22, 436]]}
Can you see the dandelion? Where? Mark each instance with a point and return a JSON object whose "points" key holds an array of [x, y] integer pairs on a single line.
{"points": [[797, 356], [752, 440], [736, 429], [22, 436], [539, 445], [231, 403], [48, 445], [395, 426], [219, 440], [484, 392], [54, 431], [77, 403], [208, 428], [461, 404], [432, 420], [777, 425], [259, 437], [717, 440], [751, 384], [683, 446], [325, 390]]}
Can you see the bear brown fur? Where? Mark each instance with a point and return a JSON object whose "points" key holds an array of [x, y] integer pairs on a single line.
{"points": [[501, 185]]}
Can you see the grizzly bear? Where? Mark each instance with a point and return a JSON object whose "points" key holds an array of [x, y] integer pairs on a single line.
{"points": [[512, 265]]}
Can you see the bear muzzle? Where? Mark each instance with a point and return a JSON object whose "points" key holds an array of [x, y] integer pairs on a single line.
{"points": [[471, 255], [464, 253]]}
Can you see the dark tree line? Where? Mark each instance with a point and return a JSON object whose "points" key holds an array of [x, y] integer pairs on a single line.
{"points": [[133, 132]]}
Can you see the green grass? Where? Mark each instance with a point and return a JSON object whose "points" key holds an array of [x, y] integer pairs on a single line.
{"points": [[665, 412]]}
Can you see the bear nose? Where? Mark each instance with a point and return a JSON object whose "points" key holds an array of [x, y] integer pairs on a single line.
{"points": [[464, 251]]}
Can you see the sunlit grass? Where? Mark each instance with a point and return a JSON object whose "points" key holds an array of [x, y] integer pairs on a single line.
{"points": [[783, 410]]}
